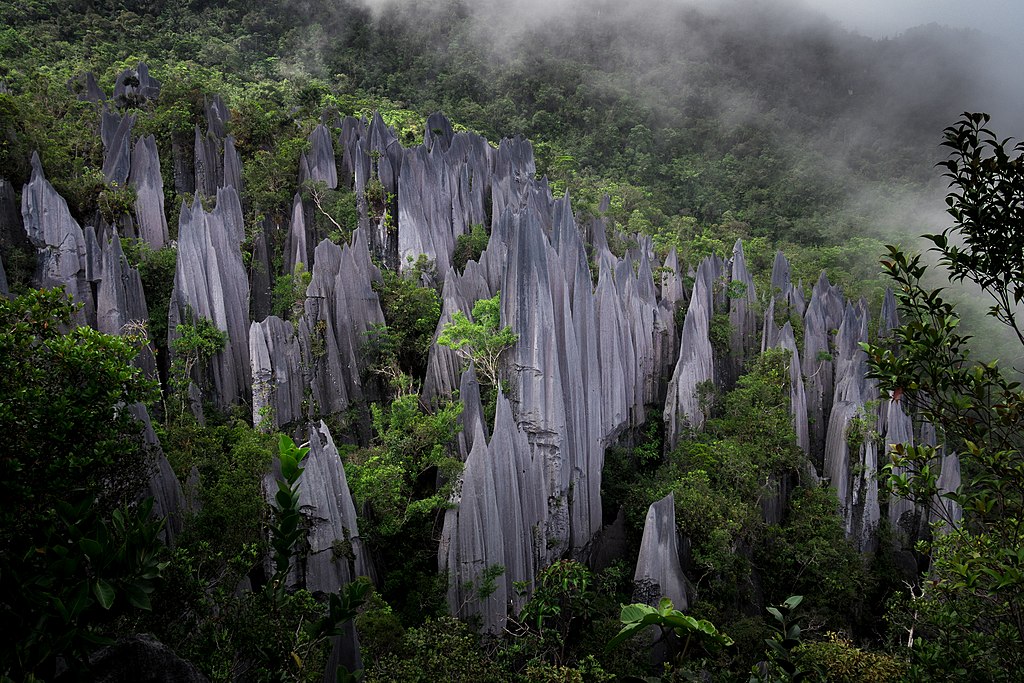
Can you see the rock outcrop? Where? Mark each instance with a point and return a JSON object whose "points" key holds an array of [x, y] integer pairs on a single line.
{"points": [[695, 366], [145, 178], [658, 572], [58, 240], [210, 281], [498, 520], [341, 307], [276, 374]]}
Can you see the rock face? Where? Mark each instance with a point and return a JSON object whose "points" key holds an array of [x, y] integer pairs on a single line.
{"points": [[210, 281], [903, 516], [141, 659], [134, 87], [58, 239], [851, 452], [168, 497], [742, 315], [117, 146], [320, 160], [658, 572], [341, 306], [86, 88], [498, 520], [145, 178], [695, 365], [121, 302], [276, 374], [336, 554], [797, 398]]}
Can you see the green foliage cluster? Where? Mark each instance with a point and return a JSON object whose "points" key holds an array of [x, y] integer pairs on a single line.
{"points": [[480, 340], [195, 345], [971, 602], [76, 548], [411, 312], [289, 295], [469, 246], [637, 618], [397, 476]]}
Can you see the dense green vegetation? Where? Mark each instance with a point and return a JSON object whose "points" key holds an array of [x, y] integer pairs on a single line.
{"points": [[696, 143]]}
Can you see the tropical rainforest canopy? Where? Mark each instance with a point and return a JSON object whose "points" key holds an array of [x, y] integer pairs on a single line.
{"points": [[604, 373]]}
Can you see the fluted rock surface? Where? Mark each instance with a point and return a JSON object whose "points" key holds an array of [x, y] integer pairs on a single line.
{"points": [[168, 497], [498, 519], [276, 374], [145, 178], [695, 364], [899, 429], [117, 147], [320, 159], [210, 281], [657, 567], [58, 239], [742, 313], [341, 307], [297, 245], [336, 553], [121, 302]]}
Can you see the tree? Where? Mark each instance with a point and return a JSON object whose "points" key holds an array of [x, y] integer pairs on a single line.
{"points": [[480, 340], [973, 601], [76, 549]]}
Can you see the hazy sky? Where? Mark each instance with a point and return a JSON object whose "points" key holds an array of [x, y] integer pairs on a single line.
{"points": [[888, 17]]}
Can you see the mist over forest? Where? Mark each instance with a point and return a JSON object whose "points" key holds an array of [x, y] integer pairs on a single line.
{"points": [[524, 340]]}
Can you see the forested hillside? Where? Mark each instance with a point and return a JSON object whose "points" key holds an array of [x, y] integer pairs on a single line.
{"points": [[342, 387]]}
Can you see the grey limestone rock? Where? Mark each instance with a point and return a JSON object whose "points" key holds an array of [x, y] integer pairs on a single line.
{"points": [[183, 160], [121, 302], [4, 289], [117, 148], [742, 314], [276, 374], [851, 453], [261, 279], [341, 307], [217, 115], [145, 178], [497, 520], [168, 497], [322, 166], [889, 319], [336, 553], [110, 120], [947, 512], [232, 166], [797, 397], [135, 86], [58, 240], [658, 560], [209, 166], [472, 417], [695, 364], [459, 293], [899, 430], [780, 276], [86, 88], [94, 255], [297, 245], [210, 281], [352, 130], [438, 132], [514, 169]]}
